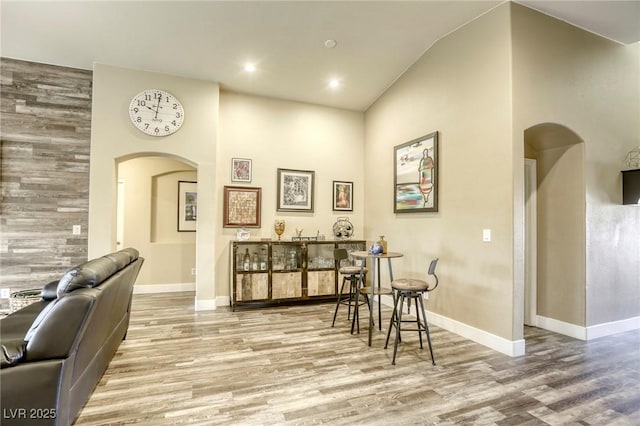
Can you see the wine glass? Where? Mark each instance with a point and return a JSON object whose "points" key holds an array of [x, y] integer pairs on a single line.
{"points": [[278, 226]]}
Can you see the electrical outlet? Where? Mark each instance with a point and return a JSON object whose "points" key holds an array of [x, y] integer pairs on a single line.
{"points": [[5, 293], [77, 229]]}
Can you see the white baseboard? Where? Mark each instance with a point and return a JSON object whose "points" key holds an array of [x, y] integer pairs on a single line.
{"points": [[223, 301], [614, 327], [588, 333], [163, 288], [497, 343], [561, 327], [205, 305], [512, 348]]}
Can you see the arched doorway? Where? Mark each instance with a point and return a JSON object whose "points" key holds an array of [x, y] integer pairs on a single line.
{"points": [[555, 281], [149, 190]]}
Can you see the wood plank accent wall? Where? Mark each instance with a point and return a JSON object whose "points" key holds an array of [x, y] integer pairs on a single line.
{"points": [[45, 130]]}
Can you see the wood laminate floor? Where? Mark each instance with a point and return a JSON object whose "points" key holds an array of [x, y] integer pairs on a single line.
{"points": [[286, 365]]}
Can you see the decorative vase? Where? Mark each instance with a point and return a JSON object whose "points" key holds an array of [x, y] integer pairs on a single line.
{"points": [[383, 243], [278, 226], [376, 248]]}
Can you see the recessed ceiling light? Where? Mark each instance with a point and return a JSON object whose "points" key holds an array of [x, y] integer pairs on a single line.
{"points": [[249, 67], [330, 44], [334, 83]]}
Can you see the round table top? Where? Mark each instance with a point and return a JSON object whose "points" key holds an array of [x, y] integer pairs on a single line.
{"points": [[364, 254]]}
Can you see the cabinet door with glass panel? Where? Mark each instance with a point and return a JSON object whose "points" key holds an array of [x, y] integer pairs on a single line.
{"points": [[351, 246], [321, 272], [286, 270], [251, 269]]}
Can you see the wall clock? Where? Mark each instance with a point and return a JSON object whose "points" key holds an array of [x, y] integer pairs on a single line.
{"points": [[156, 112]]}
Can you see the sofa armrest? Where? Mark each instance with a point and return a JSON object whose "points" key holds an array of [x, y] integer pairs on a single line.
{"points": [[12, 353]]}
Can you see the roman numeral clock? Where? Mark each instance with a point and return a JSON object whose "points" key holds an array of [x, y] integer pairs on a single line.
{"points": [[156, 112]]}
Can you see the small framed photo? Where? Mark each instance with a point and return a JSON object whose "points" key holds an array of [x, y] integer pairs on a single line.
{"points": [[242, 207], [342, 196], [416, 168], [240, 170], [187, 206], [295, 190]]}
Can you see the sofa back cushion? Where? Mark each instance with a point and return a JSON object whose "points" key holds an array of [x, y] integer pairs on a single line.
{"points": [[87, 275], [54, 333]]}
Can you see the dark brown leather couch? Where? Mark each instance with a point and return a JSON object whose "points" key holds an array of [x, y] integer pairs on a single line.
{"points": [[55, 351]]}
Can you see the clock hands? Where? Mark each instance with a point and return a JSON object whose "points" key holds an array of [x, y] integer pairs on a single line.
{"points": [[158, 106]]}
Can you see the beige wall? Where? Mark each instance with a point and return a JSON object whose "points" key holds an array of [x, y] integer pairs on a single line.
{"points": [[592, 86], [561, 234], [461, 88], [113, 139], [281, 134], [151, 217]]}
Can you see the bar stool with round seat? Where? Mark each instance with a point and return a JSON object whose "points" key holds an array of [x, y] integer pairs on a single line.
{"points": [[350, 274], [411, 289]]}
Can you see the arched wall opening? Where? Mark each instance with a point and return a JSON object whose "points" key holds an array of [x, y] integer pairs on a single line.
{"points": [[558, 226], [148, 205]]}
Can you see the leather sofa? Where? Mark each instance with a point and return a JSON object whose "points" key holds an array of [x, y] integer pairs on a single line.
{"points": [[55, 351]]}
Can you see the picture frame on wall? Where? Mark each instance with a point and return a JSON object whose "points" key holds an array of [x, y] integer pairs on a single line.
{"points": [[242, 207], [295, 190], [342, 196], [416, 167], [187, 206], [241, 169]]}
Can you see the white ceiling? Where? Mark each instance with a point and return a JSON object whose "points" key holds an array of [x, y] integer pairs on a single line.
{"points": [[211, 40]]}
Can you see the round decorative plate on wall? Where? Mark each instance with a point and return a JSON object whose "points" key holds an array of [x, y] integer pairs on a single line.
{"points": [[156, 112]]}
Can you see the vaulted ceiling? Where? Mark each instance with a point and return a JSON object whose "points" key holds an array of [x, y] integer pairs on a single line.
{"points": [[375, 41]]}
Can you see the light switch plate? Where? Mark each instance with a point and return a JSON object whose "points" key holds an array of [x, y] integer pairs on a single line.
{"points": [[5, 293], [77, 230], [486, 235]]}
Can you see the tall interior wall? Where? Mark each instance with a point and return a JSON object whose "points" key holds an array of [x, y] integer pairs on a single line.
{"points": [[44, 162], [461, 88], [564, 75]]}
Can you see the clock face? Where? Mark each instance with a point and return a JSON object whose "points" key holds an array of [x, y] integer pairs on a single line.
{"points": [[156, 112]]}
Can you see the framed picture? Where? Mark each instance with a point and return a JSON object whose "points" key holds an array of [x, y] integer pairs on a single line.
{"points": [[342, 196], [187, 206], [416, 175], [240, 170], [295, 190], [242, 207]]}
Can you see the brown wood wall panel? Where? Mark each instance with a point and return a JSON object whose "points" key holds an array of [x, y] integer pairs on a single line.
{"points": [[45, 129]]}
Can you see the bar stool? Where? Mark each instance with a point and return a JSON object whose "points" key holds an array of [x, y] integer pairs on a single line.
{"points": [[349, 274], [408, 288]]}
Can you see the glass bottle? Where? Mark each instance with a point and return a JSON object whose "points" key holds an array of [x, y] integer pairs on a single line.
{"points": [[263, 258], [255, 262], [246, 260]]}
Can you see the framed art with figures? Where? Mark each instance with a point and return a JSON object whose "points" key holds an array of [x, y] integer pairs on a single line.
{"points": [[241, 170], [342, 196], [416, 175], [295, 190]]}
